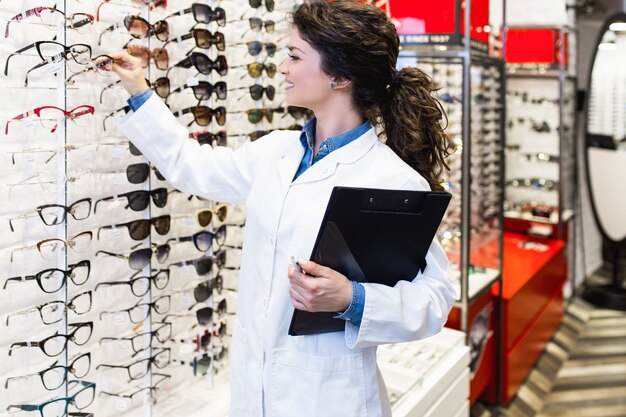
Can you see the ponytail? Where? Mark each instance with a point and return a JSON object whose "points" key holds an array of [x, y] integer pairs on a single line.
{"points": [[359, 43], [411, 119]]}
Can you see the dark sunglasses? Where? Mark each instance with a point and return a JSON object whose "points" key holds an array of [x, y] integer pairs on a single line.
{"points": [[139, 258], [203, 13], [138, 200], [257, 90], [203, 89], [203, 64], [138, 173], [203, 115], [255, 47], [203, 291], [207, 138], [140, 229], [52, 280], [204, 264], [269, 4], [203, 240], [204, 39]]}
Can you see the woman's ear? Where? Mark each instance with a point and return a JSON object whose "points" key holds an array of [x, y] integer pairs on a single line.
{"points": [[340, 84]]}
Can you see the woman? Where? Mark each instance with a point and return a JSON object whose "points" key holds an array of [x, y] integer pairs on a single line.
{"points": [[341, 65]]}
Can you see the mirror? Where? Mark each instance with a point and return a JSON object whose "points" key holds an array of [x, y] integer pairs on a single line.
{"points": [[605, 152], [606, 130]]}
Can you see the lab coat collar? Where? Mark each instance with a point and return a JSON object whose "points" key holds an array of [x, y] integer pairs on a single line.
{"points": [[350, 153]]}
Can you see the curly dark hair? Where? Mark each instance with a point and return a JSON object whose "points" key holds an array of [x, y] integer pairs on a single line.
{"points": [[359, 43]]}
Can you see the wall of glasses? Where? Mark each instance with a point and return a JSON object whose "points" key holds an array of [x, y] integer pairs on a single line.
{"points": [[120, 290]]}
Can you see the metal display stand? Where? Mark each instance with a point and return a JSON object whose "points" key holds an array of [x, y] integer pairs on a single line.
{"points": [[476, 246]]}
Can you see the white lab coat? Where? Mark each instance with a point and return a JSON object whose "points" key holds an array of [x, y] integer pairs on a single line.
{"points": [[272, 373]]}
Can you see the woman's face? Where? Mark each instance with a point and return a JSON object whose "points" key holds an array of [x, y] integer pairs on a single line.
{"points": [[305, 83]]}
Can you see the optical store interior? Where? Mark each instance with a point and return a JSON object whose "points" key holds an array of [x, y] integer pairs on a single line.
{"points": [[119, 292]]}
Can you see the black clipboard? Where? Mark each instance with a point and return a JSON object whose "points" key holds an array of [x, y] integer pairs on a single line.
{"points": [[372, 235]]}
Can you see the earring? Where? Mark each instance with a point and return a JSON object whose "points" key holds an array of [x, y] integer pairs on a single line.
{"points": [[332, 85]]}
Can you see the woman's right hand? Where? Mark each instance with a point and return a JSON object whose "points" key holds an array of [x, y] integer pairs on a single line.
{"points": [[129, 69]]}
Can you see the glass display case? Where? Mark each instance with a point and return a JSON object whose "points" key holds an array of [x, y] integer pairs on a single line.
{"points": [[540, 180]]}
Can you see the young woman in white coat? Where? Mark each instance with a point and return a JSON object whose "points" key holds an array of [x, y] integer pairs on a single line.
{"points": [[342, 65]]}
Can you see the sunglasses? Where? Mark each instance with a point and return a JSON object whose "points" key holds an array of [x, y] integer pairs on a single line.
{"points": [[203, 89], [139, 258], [138, 173], [204, 216], [204, 39], [256, 115], [203, 291], [203, 265], [203, 64], [256, 24], [269, 4], [203, 115], [140, 28], [255, 69], [255, 48], [300, 112], [140, 229], [257, 90], [203, 13], [160, 56], [52, 280], [207, 138], [138, 200], [203, 240]]}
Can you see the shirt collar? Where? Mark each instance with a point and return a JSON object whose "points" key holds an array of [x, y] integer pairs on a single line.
{"points": [[307, 138]]}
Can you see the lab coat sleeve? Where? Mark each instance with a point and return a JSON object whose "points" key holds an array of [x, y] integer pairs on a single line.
{"points": [[220, 173], [411, 310]]}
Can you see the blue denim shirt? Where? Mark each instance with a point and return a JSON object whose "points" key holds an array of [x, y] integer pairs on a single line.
{"points": [[138, 99], [354, 312]]}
